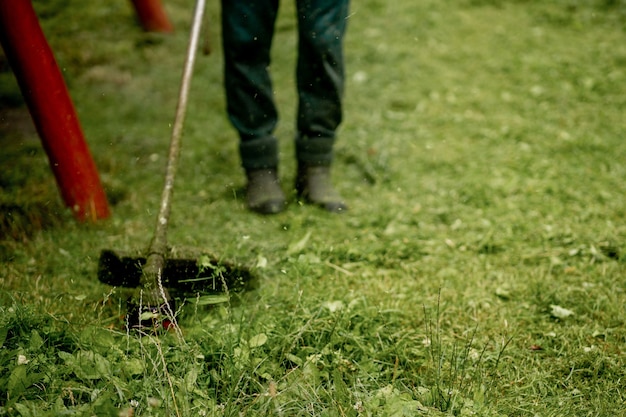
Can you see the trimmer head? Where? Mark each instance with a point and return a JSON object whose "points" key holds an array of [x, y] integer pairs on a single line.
{"points": [[184, 271]]}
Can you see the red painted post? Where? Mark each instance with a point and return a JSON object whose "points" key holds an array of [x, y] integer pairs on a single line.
{"points": [[52, 110], [152, 16]]}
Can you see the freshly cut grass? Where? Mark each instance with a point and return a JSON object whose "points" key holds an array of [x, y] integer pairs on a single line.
{"points": [[479, 271]]}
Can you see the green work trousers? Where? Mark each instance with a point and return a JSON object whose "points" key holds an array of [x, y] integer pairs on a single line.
{"points": [[248, 29]]}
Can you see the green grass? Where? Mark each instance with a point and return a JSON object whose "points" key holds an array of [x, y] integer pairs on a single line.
{"points": [[480, 270]]}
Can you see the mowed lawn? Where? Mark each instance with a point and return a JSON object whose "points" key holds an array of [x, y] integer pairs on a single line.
{"points": [[480, 269]]}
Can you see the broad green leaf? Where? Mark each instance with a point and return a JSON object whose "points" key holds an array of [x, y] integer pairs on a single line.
{"points": [[87, 364], [257, 341], [134, 366], [191, 378], [148, 315], [18, 381], [36, 342], [293, 358], [97, 339], [23, 410]]}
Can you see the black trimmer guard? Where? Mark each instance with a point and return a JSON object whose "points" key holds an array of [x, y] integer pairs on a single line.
{"points": [[183, 272]]}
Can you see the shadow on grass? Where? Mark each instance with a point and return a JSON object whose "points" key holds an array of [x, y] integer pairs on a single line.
{"points": [[29, 199]]}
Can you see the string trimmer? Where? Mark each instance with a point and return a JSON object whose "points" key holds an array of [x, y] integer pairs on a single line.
{"points": [[162, 267]]}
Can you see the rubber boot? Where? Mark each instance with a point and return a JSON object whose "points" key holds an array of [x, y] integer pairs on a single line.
{"points": [[313, 186], [263, 192]]}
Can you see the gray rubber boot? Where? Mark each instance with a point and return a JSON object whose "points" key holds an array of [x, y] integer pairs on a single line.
{"points": [[314, 186], [263, 192]]}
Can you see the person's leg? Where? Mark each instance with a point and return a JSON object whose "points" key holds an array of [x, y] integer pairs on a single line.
{"points": [[320, 82], [248, 29]]}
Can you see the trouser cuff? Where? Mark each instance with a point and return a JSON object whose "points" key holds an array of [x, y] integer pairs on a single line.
{"points": [[315, 151], [259, 153]]}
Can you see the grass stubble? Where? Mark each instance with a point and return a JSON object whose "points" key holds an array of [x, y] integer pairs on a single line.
{"points": [[480, 270]]}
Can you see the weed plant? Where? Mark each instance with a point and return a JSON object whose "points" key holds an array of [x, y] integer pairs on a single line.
{"points": [[479, 271]]}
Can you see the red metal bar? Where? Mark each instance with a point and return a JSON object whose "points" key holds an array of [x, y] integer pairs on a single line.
{"points": [[52, 110], [152, 16]]}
